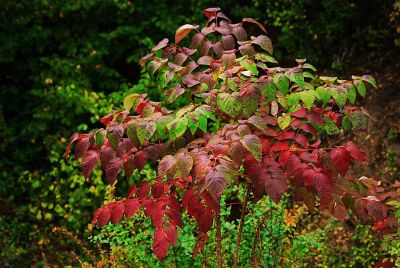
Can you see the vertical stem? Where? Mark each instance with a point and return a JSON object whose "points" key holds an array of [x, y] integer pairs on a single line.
{"points": [[219, 239], [239, 237], [253, 249]]}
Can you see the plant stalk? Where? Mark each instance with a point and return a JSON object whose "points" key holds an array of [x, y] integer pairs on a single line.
{"points": [[239, 237], [219, 239]]}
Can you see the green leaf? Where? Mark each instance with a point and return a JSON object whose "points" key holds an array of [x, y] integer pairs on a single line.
{"points": [[258, 122], [360, 87], [282, 82], [369, 79], [192, 125], [341, 98], [131, 132], [250, 104], [284, 121], [296, 76], [145, 130], [283, 102], [184, 110], [232, 85], [308, 98], [250, 66], [253, 144], [358, 120], [330, 127], [132, 101], [177, 127], [309, 75], [346, 123], [293, 99], [229, 104], [206, 110], [268, 90], [351, 94], [324, 94], [100, 137], [265, 58], [202, 124], [309, 66]]}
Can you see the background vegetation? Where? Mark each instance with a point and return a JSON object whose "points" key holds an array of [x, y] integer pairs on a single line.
{"points": [[64, 64]]}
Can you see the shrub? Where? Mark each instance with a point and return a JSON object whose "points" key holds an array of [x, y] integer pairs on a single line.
{"points": [[248, 124]]}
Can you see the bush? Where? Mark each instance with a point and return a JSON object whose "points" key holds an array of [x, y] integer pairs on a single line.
{"points": [[264, 139]]}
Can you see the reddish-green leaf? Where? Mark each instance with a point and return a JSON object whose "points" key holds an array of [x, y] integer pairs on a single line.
{"points": [[89, 162], [183, 31], [253, 144]]}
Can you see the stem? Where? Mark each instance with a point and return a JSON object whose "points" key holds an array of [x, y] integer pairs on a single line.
{"points": [[253, 249], [219, 239], [244, 208]]}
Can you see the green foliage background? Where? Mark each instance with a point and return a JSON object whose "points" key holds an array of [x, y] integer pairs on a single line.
{"points": [[64, 64]]}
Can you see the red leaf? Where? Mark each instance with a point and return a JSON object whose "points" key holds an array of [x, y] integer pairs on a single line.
{"points": [[286, 135], [131, 191], [302, 140], [188, 195], [106, 155], [339, 211], [205, 60], [264, 42], [210, 201], [170, 233], [205, 220], [131, 206], [143, 191], [310, 157], [309, 129], [96, 215], [201, 240], [163, 43], [160, 244], [228, 42], [113, 168], [216, 184], [129, 166], [106, 119], [140, 159], [315, 118], [116, 213], [81, 147], [236, 152], [275, 188], [265, 146], [301, 113], [280, 146], [89, 162], [124, 146], [73, 138], [341, 158], [254, 22], [283, 158], [104, 217], [157, 190], [141, 106], [355, 152], [211, 12]]}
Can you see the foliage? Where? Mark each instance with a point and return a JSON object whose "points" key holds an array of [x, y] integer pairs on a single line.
{"points": [[64, 64], [267, 139]]}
